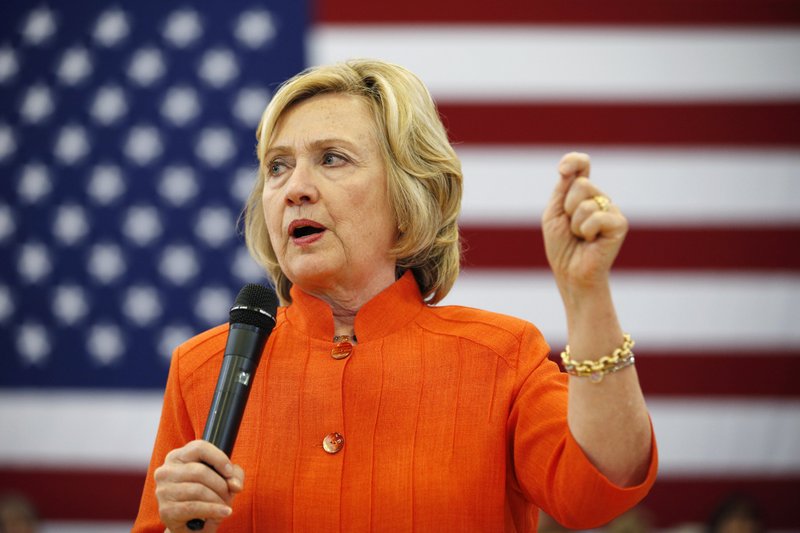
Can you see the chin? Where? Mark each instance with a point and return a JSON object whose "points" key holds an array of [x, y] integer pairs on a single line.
{"points": [[310, 273]]}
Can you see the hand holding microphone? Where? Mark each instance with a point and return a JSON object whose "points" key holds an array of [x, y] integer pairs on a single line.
{"points": [[198, 480]]}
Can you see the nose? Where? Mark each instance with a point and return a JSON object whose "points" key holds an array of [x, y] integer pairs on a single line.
{"points": [[301, 186]]}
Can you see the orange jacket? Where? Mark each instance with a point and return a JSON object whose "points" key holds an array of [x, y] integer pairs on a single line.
{"points": [[453, 419]]}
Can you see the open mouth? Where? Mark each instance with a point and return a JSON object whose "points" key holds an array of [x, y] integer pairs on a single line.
{"points": [[305, 231], [304, 228]]}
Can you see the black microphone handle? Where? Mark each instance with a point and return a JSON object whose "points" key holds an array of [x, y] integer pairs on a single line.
{"points": [[242, 351], [230, 397]]}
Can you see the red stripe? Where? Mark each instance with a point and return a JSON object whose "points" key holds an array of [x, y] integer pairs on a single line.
{"points": [[114, 496], [770, 374], [672, 12], [647, 248], [706, 374], [674, 502], [680, 124], [77, 494]]}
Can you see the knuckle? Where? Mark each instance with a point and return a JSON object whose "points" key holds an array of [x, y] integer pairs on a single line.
{"points": [[162, 493], [166, 509], [196, 491], [162, 473]]}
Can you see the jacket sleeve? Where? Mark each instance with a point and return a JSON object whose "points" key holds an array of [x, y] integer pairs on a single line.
{"points": [[174, 430], [550, 467]]}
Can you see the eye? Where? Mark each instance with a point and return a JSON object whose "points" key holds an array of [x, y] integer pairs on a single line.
{"points": [[332, 159], [276, 167]]}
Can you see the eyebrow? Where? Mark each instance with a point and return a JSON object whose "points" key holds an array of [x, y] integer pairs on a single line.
{"points": [[315, 145]]}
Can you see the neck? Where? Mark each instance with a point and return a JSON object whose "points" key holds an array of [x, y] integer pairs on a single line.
{"points": [[345, 304], [344, 321]]}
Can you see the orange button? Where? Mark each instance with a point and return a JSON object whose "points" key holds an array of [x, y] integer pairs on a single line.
{"points": [[333, 442], [341, 350]]}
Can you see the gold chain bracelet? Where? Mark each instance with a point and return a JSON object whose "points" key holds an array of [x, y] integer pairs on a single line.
{"points": [[621, 358]]}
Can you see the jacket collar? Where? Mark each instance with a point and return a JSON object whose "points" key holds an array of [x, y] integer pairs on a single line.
{"points": [[387, 312]]}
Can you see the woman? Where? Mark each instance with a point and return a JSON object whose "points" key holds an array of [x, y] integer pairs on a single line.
{"points": [[373, 409]]}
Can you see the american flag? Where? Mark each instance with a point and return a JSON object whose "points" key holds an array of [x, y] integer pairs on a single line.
{"points": [[127, 148]]}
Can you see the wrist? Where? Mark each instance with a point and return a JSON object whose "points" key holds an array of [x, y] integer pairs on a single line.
{"points": [[587, 304], [574, 291]]}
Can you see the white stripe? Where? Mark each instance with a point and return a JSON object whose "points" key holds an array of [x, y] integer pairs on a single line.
{"points": [[97, 429], [674, 187], [672, 311], [85, 527], [566, 63], [728, 437], [113, 432]]}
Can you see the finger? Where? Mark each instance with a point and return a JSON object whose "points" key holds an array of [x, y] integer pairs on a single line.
{"points": [[189, 492], [180, 512], [580, 214], [178, 500], [588, 207], [574, 164], [203, 452], [174, 473], [236, 481], [571, 166], [580, 190], [606, 224]]}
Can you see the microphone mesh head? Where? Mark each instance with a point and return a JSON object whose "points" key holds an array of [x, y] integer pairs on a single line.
{"points": [[254, 297]]}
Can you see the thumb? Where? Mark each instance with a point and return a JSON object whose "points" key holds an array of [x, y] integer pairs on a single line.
{"points": [[571, 166]]}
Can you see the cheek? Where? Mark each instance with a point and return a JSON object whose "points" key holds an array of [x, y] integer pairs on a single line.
{"points": [[272, 216]]}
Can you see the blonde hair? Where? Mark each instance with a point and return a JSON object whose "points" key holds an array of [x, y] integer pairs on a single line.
{"points": [[423, 171]]}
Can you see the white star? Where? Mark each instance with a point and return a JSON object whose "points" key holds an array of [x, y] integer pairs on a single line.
{"points": [[105, 343], [143, 144], [249, 105], [70, 224], [146, 66], [8, 142], [178, 185], [141, 305], [75, 66], [171, 336], [106, 262], [39, 26], [245, 268], [7, 224], [37, 104], [218, 67], [255, 27], [106, 184], [8, 64], [109, 105], [6, 304], [243, 182], [215, 225], [142, 224], [33, 343], [212, 305], [180, 105], [72, 144], [112, 27], [70, 304], [178, 263], [183, 27], [34, 263], [215, 146], [34, 184]]}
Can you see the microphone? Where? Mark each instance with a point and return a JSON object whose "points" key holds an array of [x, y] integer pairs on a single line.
{"points": [[252, 318]]}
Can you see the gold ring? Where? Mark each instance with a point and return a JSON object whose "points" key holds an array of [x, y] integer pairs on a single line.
{"points": [[602, 202]]}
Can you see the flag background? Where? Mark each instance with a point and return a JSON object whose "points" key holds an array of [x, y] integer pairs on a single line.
{"points": [[126, 149]]}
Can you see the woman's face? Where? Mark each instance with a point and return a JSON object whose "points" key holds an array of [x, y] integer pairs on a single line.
{"points": [[325, 199]]}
